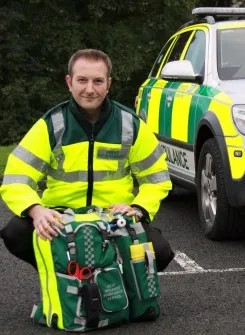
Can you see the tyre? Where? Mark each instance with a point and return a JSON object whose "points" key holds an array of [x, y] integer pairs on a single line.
{"points": [[217, 217]]}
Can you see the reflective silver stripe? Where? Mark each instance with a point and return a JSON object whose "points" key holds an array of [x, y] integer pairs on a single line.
{"points": [[127, 140], [59, 128], [71, 177], [19, 179], [58, 125], [30, 159], [110, 175], [127, 128], [148, 161], [154, 178]]}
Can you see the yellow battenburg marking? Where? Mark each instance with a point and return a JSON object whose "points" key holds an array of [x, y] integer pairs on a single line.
{"points": [[220, 105], [180, 111], [236, 163], [154, 106], [231, 25]]}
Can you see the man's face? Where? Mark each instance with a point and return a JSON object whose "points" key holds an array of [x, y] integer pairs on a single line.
{"points": [[89, 83]]}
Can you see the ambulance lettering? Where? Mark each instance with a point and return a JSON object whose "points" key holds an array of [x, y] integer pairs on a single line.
{"points": [[176, 156]]}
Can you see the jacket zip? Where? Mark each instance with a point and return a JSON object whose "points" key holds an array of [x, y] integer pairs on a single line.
{"points": [[90, 168]]}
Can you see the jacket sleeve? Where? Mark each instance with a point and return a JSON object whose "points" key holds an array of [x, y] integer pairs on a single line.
{"points": [[26, 166], [148, 164]]}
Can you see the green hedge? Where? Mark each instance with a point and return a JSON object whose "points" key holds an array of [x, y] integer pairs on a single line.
{"points": [[4, 153]]}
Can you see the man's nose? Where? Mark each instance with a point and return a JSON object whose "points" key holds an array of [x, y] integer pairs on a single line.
{"points": [[89, 87]]}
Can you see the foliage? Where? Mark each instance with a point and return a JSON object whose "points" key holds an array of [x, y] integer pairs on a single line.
{"points": [[39, 36], [4, 153]]}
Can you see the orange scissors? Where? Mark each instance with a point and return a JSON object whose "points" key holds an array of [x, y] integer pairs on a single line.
{"points": [[74, 270]]}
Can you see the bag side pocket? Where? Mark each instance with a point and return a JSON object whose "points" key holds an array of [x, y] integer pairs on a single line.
{"points": [[143, 265], [70, 301]]}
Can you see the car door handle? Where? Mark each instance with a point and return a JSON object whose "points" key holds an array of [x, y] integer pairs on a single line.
{"points": [[148, 96], [169, 98]]}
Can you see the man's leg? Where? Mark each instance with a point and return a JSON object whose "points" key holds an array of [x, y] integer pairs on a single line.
{"points": [[17, 237]]}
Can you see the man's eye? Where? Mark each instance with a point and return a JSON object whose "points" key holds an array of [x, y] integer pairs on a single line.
{"points": [[82, 80], [99, 81]]}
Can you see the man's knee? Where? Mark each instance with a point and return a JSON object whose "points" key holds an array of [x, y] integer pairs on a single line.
{"points": [[17, 237], [17, 230], [163, 251]]}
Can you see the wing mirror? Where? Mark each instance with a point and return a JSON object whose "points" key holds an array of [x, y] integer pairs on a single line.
{"points": [[181, 70]]}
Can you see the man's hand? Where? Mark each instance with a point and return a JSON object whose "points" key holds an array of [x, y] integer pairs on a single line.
{"points": [[45, 220], [123, 209]]}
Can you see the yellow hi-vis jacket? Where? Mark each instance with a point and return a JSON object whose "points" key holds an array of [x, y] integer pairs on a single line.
{"points": [[87, 165]]}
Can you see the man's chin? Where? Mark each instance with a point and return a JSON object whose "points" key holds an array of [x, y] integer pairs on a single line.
{"points": [[90, 106]]}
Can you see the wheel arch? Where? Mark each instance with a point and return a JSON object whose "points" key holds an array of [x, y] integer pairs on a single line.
{"points": [[209, 127]]}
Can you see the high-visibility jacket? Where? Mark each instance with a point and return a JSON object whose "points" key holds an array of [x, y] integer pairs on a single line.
{"points": [[85, 164]]}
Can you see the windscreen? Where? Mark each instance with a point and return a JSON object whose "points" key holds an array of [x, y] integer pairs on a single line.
{"points": [[231, 54]]}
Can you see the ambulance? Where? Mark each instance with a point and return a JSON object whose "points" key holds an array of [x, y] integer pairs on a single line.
{"points": [[194, 101]]}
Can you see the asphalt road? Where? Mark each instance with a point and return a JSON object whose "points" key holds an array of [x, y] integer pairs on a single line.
{"points": [[202, 290]]}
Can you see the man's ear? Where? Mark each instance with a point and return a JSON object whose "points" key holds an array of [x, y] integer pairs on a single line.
{"points": [[68, 81], [109, 84]]}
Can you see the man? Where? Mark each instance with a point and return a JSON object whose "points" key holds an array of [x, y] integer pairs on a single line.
{"points": [[89, 148]]}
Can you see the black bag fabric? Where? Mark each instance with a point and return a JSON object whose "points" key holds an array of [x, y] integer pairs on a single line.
{"points": [[163, 251]]}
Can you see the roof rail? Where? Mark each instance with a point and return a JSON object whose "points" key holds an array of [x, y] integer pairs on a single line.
{"points": [[212, 14], [206, 19]]}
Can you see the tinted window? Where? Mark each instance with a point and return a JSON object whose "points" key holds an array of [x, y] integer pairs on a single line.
{"points": [[231, 51], [159, 59], [179, 46], [196, 52]]}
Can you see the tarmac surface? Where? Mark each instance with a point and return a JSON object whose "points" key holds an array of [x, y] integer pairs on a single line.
{"points": [[202, 290]]}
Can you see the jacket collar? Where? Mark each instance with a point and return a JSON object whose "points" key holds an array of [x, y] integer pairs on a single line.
{"points": [[80, 115]]}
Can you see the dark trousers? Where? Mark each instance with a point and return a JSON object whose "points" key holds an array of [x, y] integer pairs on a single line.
{"points": [[17, 237]]}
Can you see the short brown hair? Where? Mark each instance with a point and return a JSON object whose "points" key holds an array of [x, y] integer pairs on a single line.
{"points": [[90, 54]]}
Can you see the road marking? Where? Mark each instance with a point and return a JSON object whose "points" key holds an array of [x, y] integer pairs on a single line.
{"points": [[191, 267], [176, 273], [186, 263]]}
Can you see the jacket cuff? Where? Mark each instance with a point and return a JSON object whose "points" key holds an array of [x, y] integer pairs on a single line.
{"points": [[145, 217]]}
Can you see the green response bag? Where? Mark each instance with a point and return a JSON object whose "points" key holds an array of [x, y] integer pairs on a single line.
{"points": [[73, 303], [116, 279]]}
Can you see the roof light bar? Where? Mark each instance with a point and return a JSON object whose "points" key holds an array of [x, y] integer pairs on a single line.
{"points": [[224, 11]]}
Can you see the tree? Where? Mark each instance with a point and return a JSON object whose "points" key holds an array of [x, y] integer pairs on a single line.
{"points": [[38, 36]]}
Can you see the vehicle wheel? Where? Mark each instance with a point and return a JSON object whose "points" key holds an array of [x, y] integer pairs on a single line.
{"points": [[217, 217]]}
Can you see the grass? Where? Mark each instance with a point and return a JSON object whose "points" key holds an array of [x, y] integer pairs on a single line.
{"points": [[4, 152]]}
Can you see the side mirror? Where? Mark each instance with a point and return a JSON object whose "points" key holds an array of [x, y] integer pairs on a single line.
{"points": [[180, 70]]}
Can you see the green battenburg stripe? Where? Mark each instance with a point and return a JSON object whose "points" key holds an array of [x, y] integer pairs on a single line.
{"points": [[165, 119], [199, 106], [144, 99]]}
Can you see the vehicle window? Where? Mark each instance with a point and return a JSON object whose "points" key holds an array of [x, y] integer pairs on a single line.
{"points": [[231, 51], [196, 52], [159, 59], [179, 46]]}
